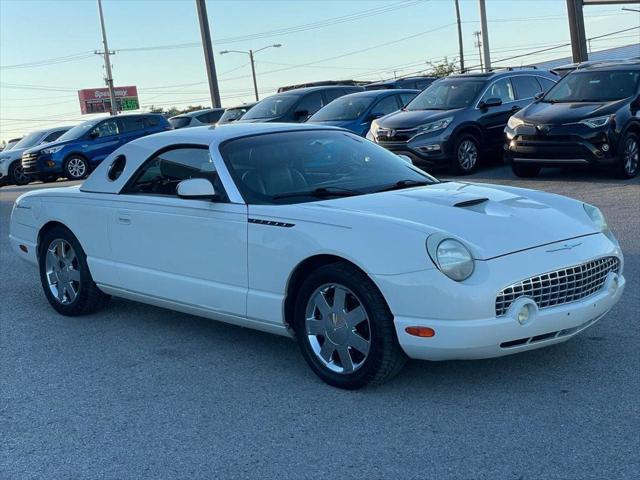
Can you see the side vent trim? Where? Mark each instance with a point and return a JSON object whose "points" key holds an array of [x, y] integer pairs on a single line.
{"points": [[271, 223]]}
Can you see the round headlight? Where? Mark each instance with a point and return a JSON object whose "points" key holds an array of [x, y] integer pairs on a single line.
{"points": [[454, 259]]}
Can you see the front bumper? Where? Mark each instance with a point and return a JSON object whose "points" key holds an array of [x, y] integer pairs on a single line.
{"points": [[431, 150], [561, 146], [35, 164], [463, 314]]}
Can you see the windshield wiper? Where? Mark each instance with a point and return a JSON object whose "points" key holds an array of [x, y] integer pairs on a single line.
{"points": [[321, 192], [404, 184]]}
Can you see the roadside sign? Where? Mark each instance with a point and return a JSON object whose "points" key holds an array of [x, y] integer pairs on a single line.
{"points": [[96, 100]]}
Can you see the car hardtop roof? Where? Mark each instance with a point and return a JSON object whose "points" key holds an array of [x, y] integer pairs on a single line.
{"points": [[140, 150], [195, 113], [381, 93], [396, 80], [498, 73], [242, 105], [628, 64], [305, 90]]}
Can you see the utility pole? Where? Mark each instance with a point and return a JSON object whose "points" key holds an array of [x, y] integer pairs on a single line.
{"points": [[107, 63], [485, 35], [478, 43], [459, 37], [251, 54], [576, 31], [208, 53]]}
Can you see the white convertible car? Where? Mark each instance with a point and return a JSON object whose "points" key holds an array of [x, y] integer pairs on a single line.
{"points": [[324, 236]]}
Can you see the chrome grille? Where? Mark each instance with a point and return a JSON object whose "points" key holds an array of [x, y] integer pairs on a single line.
{"points": [[561, 286], [29, 159]]}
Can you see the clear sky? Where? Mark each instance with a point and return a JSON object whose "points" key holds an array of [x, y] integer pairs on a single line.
{"points": [[323, 39]]}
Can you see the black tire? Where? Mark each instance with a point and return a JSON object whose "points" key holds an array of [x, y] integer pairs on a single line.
{"points": [[463, 143], [385, 357], [17, 175], [75, 167], [89, 298], [525, 171], [48, 178], [628, 153]]}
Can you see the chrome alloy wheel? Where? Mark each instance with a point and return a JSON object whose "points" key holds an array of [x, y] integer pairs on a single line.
{"points": [[467, 154], [631, 156], [338, 328], [76, 167], [62, 270]]}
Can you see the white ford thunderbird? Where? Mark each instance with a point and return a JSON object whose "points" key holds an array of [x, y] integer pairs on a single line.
{"points": [[324, 236]]}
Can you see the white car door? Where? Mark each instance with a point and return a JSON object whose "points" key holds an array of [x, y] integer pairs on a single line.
{"points": [[189, 252]]}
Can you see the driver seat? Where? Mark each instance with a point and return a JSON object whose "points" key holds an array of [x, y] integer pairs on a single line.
{"points": [[275, 180]]}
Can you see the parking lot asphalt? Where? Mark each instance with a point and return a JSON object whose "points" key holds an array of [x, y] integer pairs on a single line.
{"points": [[135, 391]]}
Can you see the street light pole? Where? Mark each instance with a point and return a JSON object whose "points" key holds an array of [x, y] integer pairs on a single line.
{"points": [[251, 54], [107, 64], [460, 37], [485, 35], [253, 72]]}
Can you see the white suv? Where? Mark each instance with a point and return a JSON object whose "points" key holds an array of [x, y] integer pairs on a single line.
{"points": [[11, 161], [197, 118]]}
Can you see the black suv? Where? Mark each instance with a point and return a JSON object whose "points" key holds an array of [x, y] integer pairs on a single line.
{"points": [[296, 105], [458, 118], [592, 116]]}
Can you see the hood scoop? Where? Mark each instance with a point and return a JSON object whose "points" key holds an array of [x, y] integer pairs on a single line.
{"points": [[470, 203]]}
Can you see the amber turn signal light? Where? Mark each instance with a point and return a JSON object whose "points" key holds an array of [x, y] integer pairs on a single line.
{"points": [[420, 331]]}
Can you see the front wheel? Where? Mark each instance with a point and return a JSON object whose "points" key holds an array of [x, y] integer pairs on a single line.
{"points": [[466, 155], [65, 275], [76, 168], [17, 175], [345, 329], [524, 171], [629, 156]]}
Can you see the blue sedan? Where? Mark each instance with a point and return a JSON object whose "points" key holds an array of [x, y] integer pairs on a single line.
{"points": [[356, 111]]}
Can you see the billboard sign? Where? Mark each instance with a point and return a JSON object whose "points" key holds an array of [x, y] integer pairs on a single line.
{"points": [[96, 100]]}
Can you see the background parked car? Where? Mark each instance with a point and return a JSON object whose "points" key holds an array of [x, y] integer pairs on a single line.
{"points": [[418, 83], [356, 110], [235, 113], [295, 105], [83, 147], [11, 161], [197, 118], [9, 145], [458, 118], [590, 117]]}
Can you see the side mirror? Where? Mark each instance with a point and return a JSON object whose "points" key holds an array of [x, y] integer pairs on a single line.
{"points": [[93, 135], [539, 95], [491, 102], [196, 189], [374, 116], [635, 103], [406, 158], [301, 114]]}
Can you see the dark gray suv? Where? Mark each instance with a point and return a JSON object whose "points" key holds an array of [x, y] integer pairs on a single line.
{"points": [[457, 119]]}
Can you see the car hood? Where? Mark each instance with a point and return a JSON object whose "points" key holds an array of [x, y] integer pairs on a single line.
{"points": [[559, 113], [334, 123], [12, 154], [413, 118], [492, 220], [51, 144]]}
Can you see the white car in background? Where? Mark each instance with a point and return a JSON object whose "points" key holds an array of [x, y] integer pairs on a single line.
{"points": [[197, 118], [318, 234], [11, 160]]}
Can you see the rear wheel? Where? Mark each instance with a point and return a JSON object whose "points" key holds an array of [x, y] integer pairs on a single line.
{"points": [[466, 155], [525, 171], [629, 156], [17, 175], [76, 168], [345, 329], [65, 275]]}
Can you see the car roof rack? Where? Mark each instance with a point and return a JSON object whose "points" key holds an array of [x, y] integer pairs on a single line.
{"points": [[512, 68], [608, 62]]}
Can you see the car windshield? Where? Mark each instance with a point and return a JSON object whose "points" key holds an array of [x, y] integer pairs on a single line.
{"points": [[232, 114], [179, 122], [344, 108], [600, 86], [271, 107], [447, 95], [77, 131], [308, 165], [29, 140]]}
